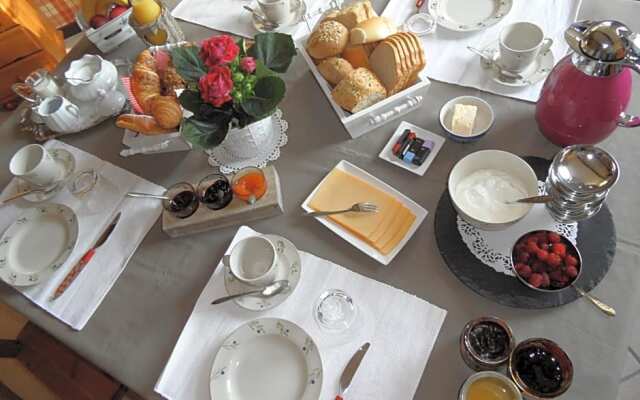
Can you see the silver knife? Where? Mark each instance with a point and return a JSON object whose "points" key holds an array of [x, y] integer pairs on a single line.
{"points": [[351, 368]]}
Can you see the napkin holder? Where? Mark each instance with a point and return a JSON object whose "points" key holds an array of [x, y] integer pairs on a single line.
{"points": [[237, 212]]}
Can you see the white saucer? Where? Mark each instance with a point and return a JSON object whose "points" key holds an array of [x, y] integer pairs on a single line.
{"points": [[289, 268], [468, 16], [37, 244], [536, 72], [298, 9], [68, 162]]}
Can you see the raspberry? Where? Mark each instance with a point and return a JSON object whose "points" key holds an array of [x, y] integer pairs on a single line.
{"points": [[523, 256], [560, 249], [538, 266], [532, 246], [535, 280], [554, 237], [554, 260], [542, 255], [556, 276], [571, 272], [570, 260], [523, 270], [545, 280]]}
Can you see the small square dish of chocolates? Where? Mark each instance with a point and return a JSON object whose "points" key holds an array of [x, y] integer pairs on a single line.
{"points": [[412, 148]]}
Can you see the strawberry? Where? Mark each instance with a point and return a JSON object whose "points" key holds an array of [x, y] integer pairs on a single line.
{"points": [[542, 255], [571, 272], [554, 260], [570, 260], [535, 280], [523, 270], [559, 249]]}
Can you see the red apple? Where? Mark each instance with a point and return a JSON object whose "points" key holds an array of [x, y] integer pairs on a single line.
{"points": [[98, 20], [117, 11]]}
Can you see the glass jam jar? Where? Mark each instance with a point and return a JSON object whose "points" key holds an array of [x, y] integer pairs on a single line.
{"points": [[486, 343]]}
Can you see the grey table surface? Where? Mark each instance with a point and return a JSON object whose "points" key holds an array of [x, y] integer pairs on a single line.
{"points": [[133, 332]]}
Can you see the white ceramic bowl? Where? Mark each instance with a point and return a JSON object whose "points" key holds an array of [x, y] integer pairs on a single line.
{"points": [[492, 159], [462, 395], [484, 118]]}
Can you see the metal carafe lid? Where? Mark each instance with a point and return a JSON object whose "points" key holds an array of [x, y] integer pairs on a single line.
{"points": [[585, 169]]}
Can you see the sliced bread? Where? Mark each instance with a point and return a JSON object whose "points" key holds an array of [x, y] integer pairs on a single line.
{"points": [[386, 64], [359, 90]]}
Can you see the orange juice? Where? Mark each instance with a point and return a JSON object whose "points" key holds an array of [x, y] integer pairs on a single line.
{"points": [[249, 185], [489, 388]]}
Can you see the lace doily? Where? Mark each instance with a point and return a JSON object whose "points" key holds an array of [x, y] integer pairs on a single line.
{"points": [[228, 162], [494, 248]]}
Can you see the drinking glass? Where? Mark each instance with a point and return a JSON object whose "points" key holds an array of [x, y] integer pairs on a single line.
{"points": [[249, 184], [335, 311], [94, 191], [214, 191], [183, 200]]}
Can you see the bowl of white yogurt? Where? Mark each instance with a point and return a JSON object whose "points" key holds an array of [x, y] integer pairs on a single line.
{"points": [[482, 184]]}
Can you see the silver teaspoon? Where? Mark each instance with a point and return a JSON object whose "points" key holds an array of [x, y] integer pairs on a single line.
{"points": [[271, 290]]}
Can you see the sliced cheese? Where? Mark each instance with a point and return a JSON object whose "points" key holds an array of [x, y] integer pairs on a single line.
{"points": [[386, 223], [393, 228], [400, 234], [464, 117], [341, 190]]}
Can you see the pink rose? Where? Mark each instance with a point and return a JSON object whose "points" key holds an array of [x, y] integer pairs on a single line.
{"points": [[215, 87], [248, 64], [218, 50]]}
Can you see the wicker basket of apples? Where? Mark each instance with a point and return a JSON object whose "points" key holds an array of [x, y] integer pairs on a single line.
{"points": [[105, 22]]}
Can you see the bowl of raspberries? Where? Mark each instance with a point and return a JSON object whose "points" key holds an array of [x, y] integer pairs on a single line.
{"points": [[546, 261]]}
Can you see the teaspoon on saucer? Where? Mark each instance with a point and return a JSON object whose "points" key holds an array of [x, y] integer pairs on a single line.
{"points": [[271, 290]]}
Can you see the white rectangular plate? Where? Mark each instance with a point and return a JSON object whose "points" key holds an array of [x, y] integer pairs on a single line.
{"points": [[415, 208], [387, 154]]}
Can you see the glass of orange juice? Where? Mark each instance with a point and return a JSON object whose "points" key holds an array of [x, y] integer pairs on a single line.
{"points": [[249, 184]]}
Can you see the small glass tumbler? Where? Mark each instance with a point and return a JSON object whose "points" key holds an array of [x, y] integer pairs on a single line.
{"points": [[183, 200], [163, 30], [249, 184], [93, 190], [214, 191], [335, 311]]}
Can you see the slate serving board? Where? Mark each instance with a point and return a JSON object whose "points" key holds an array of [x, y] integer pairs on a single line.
{"points": [[596, 241]]}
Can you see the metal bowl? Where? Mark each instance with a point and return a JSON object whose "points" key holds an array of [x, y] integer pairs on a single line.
{"points": [[569, 245], [565, 364]]}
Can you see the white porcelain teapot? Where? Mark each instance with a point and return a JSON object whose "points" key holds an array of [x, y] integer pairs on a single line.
{"points": [[91, 77]]}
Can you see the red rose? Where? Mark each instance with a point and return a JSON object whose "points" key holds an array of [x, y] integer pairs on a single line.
{"points": [[215, 87], [218, 50], [248, 64]]}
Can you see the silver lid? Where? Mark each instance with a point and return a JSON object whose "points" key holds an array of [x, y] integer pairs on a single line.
{"points": [[585, 169], [606, 41]]}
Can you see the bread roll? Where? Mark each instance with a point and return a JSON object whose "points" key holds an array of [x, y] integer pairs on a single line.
{"points": [[354, 14], [372, 30], [145, 124], [167, 111], [358, 56], [334, 69], [328, 40], [358, 91]]}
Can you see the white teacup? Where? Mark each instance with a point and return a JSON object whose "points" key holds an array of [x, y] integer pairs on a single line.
{"points": [[520, 44], [254, 260], [60, 114], [277, 11], [35, 164]]}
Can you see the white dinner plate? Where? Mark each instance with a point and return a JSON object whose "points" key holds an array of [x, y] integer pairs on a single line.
{"points": [[468, 15], [289, 268], [37, 244], [360, 244], [267, 359]]}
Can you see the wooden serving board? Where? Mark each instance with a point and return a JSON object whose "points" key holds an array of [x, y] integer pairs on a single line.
{"points": [[236, 213]]}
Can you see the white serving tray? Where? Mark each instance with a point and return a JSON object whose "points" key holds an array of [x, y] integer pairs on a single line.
{"points": [[415, 208], [387, 152], [378, 114]]}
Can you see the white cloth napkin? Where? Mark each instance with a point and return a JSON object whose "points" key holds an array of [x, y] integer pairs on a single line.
{"points": [[230, 16], [401, 328], [78, 303], [449, 60]]}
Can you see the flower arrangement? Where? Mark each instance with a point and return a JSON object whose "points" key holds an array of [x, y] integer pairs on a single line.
{"points": [[231, 84]]}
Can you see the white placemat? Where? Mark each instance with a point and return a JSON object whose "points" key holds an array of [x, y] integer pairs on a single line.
{"points": [[76, 306], [493, 248], [449, 60], [402, 330], [230, 16]]}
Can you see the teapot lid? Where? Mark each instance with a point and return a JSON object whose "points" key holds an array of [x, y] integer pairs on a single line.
{"points": [[605, 41]]}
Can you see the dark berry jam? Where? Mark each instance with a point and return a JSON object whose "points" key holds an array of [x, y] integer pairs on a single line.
{"points": [[489, 341], [538, 369], [183, 204], [218, 195]]}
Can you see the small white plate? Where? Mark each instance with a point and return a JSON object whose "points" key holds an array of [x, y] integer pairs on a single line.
{"points": [[361, 245], [267, 359], [68, 162], [298, 9], [482, 125], [289, 268], [387, 153], [37, 244], [534, 73], [469, 15]]}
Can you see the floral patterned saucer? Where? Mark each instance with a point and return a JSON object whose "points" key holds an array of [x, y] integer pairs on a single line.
{"points": [[290, 268], [468, 16], [68, 162], [37, 244], [245, 369]]}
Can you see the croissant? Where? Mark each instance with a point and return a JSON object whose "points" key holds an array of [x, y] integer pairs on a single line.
{"points": [[147, 59], [167, 111], [145, 124]]}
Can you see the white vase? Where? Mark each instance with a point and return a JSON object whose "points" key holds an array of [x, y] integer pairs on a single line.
{"points": [[248, 142]]}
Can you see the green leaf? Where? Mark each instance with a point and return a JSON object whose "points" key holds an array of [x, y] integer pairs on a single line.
{"points": [[262, 70], [242, 44], [206, 134], [191, 100], [188, 63], [268, 93], [275, 50]]}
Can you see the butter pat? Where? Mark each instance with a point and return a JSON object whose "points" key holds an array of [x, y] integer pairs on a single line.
{"points": [[464, 117]]}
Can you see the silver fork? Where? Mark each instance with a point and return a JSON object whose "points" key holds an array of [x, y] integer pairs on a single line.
{"points": [[358, 207]]}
